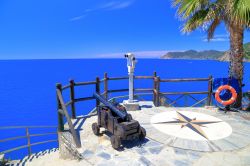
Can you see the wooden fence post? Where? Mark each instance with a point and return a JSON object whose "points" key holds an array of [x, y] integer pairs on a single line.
{"points": [[106, 86], [59, 107], [28, 141], [72, 98], [97, 89], [156, 91], [210, 91], [155, 74]]}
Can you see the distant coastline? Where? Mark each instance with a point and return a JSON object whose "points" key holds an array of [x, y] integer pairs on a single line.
{"points": [[206, 55]]}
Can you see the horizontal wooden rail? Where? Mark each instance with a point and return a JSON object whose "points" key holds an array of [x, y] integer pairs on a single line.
{"points": [[12, 138], [117, 90], [144, 77], [26, 146], [183, 93], [43, 134], [14, 149], [184, 80], [143, 90], [136, 94], [25, 136], [85, 83], [19, 127], [118, 78], [143, 94], [84, 99]]}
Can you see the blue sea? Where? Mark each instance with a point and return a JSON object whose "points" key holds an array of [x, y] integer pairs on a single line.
{"points": [[27, 87]]}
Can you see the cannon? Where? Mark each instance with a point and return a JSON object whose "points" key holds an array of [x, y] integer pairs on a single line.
{"points": [[115, 119]]}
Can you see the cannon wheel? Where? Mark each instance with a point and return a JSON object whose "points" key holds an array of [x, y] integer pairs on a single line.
{"points": [[96, 129], [115, 141], [142, 133]]}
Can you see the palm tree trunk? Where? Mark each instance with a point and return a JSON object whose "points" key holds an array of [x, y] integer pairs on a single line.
{"points": [[236, 58]]}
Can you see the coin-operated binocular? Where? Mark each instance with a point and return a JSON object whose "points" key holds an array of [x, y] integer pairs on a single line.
{"points": [[131, 104], [131, 68], [130, 62]]}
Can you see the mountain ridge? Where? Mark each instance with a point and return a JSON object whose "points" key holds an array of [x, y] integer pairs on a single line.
{"points": [[206, 54]]}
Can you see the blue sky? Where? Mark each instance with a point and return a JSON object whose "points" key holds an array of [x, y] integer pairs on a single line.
{"points": [[44, 29]]}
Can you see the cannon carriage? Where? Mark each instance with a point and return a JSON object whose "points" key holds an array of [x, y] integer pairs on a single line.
{"points": [[116, 120]]}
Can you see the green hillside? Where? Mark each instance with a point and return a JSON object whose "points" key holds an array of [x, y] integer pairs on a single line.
{"points": [[247, 50], [192, 54], [209, 54]]}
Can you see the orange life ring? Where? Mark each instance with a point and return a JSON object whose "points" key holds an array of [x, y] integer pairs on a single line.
{"points": [[226, 102]]}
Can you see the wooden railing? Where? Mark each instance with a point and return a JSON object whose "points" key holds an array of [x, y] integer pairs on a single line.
{"points": [[158, 93], [63, 112], [28, 136], [155, 91]]}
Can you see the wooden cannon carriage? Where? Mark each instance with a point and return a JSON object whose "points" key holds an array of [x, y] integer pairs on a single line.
{"points": [[117, 122]]}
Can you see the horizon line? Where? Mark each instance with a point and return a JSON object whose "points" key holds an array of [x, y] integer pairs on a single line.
{"points": [[76, 58]]}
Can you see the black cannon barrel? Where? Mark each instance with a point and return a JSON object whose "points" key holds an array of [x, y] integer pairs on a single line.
{"points": [[121, 114]]}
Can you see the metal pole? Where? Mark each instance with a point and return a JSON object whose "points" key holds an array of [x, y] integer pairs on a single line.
{"points": [[131, 67], [28, 140], [131, 87]]}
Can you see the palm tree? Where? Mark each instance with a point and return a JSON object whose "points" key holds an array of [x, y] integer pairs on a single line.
{"points": [[208, 14]]}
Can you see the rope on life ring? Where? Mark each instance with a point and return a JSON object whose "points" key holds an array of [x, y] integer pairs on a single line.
{"points": [[226, 102]]}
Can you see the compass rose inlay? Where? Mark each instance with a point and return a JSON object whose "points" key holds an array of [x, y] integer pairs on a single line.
{"points": [[191, 125]]}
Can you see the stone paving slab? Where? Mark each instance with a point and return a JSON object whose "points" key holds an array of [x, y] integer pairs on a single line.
{"points": [[160, 149], [238, 124]]}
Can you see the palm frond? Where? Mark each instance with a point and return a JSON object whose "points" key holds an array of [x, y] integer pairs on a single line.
{"points": [[198, 19], [212, 27], [209, 14], [176, 2], [189, 7], [241, 12]]}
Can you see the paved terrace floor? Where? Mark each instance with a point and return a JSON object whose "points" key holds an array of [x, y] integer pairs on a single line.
{"points": [[175, 136]]}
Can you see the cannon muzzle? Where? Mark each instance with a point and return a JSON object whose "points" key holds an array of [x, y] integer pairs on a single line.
{"points": [[121, 114]]}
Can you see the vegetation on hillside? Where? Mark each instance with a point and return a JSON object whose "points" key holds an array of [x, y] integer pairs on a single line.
{"points": [[247, 51], [209, 54], [192, 54]]}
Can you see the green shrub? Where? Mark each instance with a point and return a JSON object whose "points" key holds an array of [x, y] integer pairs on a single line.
{"points": [[247, 95], [3, 162]]}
